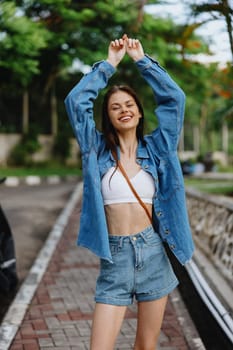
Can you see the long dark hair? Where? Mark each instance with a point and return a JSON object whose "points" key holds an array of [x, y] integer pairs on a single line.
{"points": [[110, 134]]}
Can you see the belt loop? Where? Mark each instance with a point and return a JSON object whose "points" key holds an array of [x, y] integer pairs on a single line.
{"points": [[142, 235], [121, 242]]}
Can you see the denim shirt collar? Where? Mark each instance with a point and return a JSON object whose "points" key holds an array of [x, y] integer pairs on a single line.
{"points": [[142, 152]]}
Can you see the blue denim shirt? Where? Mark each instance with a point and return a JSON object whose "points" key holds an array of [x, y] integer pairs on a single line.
{"points": [[156, 155]]}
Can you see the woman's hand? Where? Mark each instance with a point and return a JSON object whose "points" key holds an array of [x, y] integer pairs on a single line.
{"points": [[116, 51], [119, 47], [134, 49]]}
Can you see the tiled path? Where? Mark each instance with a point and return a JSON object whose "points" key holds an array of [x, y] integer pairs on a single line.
{"points": [[60, 312]]}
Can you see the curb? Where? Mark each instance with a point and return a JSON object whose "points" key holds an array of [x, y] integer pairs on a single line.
{"points": [[191, 334], [34, 180], [18, 307]]}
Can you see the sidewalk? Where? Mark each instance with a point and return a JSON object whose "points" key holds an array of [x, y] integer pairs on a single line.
{"points": [[53, 308]]}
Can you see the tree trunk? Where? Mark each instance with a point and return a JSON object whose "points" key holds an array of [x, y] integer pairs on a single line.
{"points": [[227, 14], [25, 111], [181, 142], [196, 139], [225, 137], [54, 116], [141, 4]]}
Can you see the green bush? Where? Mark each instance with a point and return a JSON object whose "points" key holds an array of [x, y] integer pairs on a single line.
{"points": [[22, 153]]}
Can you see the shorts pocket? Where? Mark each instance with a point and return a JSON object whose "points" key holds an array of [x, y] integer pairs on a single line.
{"points": [[153, 239], [114, 248]]}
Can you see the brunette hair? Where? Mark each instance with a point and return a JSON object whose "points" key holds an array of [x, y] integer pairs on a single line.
{"points": [[109, 131]]}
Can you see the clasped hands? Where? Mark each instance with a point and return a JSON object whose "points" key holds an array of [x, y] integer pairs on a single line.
{"points": [[119, 47]]}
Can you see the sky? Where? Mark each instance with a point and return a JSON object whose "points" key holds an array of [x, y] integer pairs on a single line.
{"points": [[214, 32]]}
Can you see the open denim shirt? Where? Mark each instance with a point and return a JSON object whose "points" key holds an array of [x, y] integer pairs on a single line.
{"points": [[157, 154]]}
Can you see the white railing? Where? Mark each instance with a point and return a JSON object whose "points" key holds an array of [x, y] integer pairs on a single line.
{"points": [[211, 220]]}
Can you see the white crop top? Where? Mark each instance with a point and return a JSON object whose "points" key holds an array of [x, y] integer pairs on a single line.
{"points": [[115, 189]]}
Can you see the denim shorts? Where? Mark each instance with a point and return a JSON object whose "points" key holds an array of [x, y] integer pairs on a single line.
{"points": [[140, 269]]}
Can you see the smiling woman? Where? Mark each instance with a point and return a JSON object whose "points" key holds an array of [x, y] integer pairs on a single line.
{"points": [[125, 218], [122, 108], [121, 104]]}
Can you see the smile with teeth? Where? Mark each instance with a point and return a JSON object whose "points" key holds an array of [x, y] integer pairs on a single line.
{"points": [[125, 118]]}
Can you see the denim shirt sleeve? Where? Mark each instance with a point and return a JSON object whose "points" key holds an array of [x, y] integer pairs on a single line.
{"points": [[170, 100], [79, 104]]}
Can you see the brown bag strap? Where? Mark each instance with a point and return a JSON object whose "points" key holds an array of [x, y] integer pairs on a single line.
{"points": [[133, 190]]}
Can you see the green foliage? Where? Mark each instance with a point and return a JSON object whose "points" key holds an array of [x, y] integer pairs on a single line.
{"points": [[20, 44], [217, 187], [23, 151], [40, 39]]}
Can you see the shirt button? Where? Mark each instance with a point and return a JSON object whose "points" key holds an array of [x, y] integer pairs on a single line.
{"points": [[172, 246], [134, 238], [159, 213], [167, 231]]}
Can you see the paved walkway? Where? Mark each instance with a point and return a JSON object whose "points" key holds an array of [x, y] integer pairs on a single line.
{"points": [[54, 307]]}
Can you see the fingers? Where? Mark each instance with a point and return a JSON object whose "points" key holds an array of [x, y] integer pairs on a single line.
{"points": [[132, 47], [132, 43], [116, 51], [117, 43]]}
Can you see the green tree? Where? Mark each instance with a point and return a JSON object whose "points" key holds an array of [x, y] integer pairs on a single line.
{"points": [[77, 30], [81, 30], [20, 43]]}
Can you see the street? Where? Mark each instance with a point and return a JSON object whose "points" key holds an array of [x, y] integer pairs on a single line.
{"points": [[31, 212]]}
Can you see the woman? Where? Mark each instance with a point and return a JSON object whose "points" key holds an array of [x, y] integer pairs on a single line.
{"points": [[113, 224]]}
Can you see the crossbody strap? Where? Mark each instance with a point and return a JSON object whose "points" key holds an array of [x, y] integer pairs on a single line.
{"points": [[133, 190]]}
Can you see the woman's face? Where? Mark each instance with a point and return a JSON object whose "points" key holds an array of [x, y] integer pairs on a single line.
{"points": [[123, 111]]}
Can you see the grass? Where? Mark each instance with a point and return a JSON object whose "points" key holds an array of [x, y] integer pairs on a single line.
{"points": [[225, 169], [211, 186], [41, 171]]}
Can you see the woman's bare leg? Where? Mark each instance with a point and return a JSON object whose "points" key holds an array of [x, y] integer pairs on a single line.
{"points": [[150, 318], [106, 325]]}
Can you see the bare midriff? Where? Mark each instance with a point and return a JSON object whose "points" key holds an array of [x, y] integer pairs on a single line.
{"points": [[125, 219]]}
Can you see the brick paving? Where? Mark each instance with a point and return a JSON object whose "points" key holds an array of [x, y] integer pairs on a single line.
{"points": [[59, 315]]}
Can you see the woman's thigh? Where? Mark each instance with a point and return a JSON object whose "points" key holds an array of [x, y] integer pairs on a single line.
{"points": [[150, 318], [107, 321]]}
